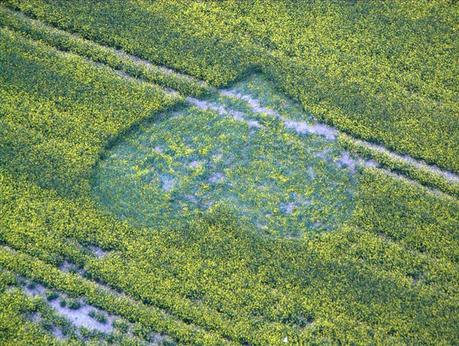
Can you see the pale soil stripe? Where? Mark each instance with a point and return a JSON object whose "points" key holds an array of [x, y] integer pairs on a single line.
{"points": [[331, 133], [319, 128], [118, 52], [109, 292]]}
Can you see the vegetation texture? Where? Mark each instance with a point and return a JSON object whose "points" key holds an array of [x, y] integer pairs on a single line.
{"points": [[206, 204], [192, 160]]}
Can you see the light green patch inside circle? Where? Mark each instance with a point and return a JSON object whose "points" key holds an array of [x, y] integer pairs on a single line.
{"points": [[285, 185]]}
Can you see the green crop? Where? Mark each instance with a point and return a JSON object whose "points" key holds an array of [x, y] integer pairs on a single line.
{"points": [[41, 95], [96, 152], [194, 160], [344, 60]]}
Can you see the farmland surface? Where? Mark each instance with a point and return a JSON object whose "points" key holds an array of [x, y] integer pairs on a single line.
{"points": [[208, 173]]}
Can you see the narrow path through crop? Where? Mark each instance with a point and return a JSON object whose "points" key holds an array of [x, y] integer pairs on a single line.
{"points": [[301, 127], [124, 306]]}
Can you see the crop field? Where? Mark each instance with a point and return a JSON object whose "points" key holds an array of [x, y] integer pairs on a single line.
{"points": [[229, 172]]}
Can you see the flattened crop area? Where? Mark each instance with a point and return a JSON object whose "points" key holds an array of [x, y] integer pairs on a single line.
{"points": [[140, 205], [222, 152]]}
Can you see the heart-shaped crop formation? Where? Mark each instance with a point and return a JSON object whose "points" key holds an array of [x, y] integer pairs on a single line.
{"points": [[247, 148]]}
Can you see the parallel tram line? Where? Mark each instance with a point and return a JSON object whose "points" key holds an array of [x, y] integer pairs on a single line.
{"points": [[115, 58], [449, 180], [104, 297], [175, 312], [447, 175]]}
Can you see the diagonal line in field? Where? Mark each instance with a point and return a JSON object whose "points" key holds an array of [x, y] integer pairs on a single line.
{"points": [[117, 59], [301, 127], [110, 294], [330, 133]]}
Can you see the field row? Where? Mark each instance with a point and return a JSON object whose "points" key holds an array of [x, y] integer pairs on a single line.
{"points": [[360, 78], [157, 265], [138, 68], [149, 317], [215, 279], [116, 59]]}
